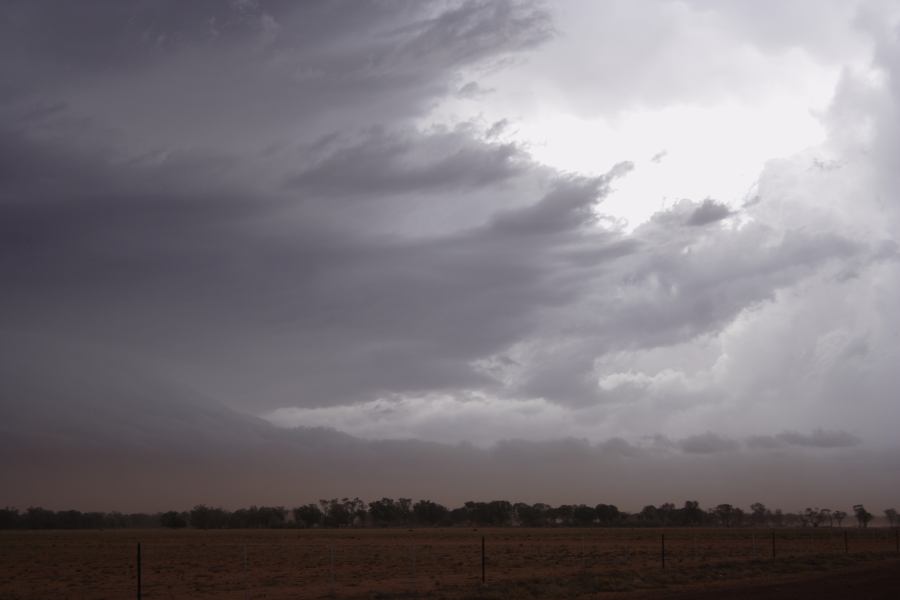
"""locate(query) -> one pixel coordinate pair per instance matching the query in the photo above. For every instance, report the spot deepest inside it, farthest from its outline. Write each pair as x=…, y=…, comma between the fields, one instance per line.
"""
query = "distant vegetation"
x=387, y=512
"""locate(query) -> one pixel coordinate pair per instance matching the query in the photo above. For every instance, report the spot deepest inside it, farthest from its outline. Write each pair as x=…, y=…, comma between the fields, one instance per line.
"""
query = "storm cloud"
x=293, y=234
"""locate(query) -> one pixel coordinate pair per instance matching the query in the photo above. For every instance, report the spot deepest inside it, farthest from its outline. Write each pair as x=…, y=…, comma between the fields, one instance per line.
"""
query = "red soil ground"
x=876, y=581
x=446, y=563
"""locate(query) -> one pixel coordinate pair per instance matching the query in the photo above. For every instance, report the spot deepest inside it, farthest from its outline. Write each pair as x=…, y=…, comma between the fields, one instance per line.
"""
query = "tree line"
x=403, y=512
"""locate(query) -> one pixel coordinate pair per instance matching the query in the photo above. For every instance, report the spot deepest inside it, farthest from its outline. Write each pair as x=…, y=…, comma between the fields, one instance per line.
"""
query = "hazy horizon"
x=264, y=252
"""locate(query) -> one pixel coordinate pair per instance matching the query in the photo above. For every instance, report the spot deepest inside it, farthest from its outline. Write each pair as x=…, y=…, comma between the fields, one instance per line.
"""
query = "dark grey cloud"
x=707, y=443
x=709, y=211
x=178, y=240
x=567, y=207
x=384, y=164
x=110, y=36
x=236, y=79
x=818, y=438
x=150, y=249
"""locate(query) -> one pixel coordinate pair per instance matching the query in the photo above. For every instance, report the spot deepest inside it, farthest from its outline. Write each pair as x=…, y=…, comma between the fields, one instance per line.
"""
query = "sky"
x=629, y=252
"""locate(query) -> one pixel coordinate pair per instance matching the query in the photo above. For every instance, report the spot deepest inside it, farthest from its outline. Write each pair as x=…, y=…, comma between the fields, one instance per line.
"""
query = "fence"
x=243, y=564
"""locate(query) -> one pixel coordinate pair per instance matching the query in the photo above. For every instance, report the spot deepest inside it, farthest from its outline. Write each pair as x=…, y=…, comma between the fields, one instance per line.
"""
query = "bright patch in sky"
x=698, y=111
x=679, y=152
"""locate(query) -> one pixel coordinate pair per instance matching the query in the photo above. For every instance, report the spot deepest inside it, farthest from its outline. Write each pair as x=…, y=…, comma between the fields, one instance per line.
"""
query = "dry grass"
x=438, y=563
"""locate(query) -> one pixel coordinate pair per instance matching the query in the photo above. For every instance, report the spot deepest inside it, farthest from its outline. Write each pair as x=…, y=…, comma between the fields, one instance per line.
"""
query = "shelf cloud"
x=290, y=240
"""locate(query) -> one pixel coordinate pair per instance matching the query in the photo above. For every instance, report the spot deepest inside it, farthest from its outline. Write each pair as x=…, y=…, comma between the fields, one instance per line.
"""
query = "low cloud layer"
x=260, y=229
x=127, y=442
x=817, y=439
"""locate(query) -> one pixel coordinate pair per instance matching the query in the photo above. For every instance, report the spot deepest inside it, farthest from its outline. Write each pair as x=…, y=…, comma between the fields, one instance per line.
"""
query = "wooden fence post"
x=662, y=549
x=413, y=552
x=246, y=576
x=138, y=571
x=332, y=570
x=482, y=560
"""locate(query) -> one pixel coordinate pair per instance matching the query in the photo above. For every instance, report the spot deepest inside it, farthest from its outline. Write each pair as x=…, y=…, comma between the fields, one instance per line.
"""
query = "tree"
x=792, y=520
x=273, y=516
x=173, y=519
x=338, y=513
x=384, y=512
x=814, y=516
x=205, y=517
x=308, y=515
x=68, y=519
x=607, y=514
x=426, y=512
x=500, y=512
x=777, y=518
x=891, y=514
x=759, y=514
x=356, y=509
x=666, y=513
x=839, y=516
x=692, y=514
x=562, y=515
x=583, y=515
x=649, y=515
x=39, y=518
x=531, y=515
x=726, y=514
x=460, y=515
x=404, y=510
x=495, y=512
x=862, y=515
x=9, y=518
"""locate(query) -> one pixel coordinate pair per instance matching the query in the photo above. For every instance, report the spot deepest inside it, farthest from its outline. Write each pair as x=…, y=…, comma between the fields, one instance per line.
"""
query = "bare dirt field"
x=447, y=563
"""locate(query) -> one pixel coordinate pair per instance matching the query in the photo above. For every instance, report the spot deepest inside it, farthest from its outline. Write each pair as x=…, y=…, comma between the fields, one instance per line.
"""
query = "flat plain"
x=446, y=563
